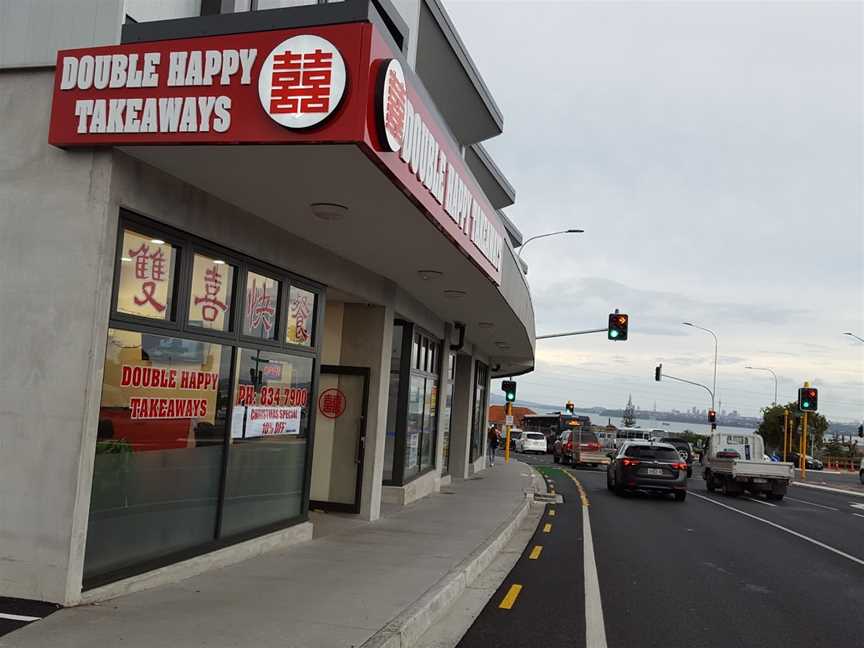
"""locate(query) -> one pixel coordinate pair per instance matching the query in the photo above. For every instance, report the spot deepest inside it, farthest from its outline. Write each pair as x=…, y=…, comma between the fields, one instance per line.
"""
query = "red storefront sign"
x=264, y=87
x=311, y=85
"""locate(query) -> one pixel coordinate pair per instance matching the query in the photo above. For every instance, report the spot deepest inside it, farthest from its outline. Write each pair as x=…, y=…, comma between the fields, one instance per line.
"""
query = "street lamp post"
x=702, y=328
x=772, y=373
x=860, y=339
x=538, y=236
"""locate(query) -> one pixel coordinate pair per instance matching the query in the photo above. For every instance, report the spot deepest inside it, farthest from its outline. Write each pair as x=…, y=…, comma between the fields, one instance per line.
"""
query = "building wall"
x=56, y=246
x=31, y=31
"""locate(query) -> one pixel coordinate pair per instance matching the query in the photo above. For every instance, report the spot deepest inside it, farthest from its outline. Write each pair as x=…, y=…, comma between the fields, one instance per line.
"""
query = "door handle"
x=358, y=457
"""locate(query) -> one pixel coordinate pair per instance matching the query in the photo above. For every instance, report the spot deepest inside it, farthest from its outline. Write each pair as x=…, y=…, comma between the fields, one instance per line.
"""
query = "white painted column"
x=460, y=431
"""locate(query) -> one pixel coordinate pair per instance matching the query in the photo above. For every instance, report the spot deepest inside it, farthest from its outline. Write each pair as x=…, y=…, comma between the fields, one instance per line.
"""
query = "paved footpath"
x=339, y=590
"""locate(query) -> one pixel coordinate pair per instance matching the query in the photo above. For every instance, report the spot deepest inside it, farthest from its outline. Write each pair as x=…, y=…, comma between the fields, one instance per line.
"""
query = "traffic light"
x=712, y=416
x=808, y=399
x=509, y=387
x=618, y=326
x=569, y=406
x=658, y=372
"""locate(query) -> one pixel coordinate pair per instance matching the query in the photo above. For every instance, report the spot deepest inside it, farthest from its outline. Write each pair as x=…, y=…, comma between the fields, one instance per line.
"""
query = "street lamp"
x=772, y=373
x=532, y=238
x=854, y=336
x=702, y=328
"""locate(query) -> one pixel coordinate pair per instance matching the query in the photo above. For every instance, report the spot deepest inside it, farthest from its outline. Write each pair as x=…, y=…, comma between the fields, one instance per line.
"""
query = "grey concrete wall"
x=460, y=432
x=367, y=338
x=31, y=31
x=56, y=249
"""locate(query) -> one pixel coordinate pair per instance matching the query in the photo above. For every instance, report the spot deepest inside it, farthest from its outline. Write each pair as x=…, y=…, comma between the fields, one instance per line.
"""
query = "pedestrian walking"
x=492, y=440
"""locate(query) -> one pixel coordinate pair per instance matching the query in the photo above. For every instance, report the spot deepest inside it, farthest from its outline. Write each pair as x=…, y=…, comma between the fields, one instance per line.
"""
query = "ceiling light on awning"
x=329, y=211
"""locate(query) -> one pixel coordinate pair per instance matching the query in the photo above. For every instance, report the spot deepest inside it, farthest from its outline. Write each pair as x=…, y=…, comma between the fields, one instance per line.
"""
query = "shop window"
x=269, y=430
x=430, y=420
x=211, y=293
x=159, y=449
x=478, y=418
x=301, y=316
x=414, y=426
x=393, y=401
x=260, y=315
x=145, y=287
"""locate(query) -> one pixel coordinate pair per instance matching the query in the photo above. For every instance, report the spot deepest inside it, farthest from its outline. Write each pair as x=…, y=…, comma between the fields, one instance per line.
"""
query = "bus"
x=553, y=424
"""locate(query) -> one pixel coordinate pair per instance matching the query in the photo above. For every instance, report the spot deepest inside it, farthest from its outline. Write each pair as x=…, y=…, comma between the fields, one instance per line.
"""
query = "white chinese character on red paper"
x=149, y=266
x=260, y=310
x=301, y=82
x=395, y=116
x=301, y=311
x=210, y=299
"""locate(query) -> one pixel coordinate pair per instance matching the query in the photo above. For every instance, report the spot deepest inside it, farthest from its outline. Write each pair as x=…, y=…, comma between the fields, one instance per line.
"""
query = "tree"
x=629, y=418
x=771, y=427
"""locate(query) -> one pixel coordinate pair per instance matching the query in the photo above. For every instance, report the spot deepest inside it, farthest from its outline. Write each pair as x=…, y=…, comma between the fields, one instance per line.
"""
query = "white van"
x=630, y=434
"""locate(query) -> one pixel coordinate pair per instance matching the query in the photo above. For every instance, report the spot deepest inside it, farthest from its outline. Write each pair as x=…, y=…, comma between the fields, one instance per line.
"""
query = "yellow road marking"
x=547, y=528
x=510, y=598
x=582, y=495
x=535, y=552
x=551, y=512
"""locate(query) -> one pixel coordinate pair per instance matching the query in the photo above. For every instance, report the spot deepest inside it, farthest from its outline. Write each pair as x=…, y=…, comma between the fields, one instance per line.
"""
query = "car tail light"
x=591, y=446
x=679, y=466
x=627, y=461
x=569, y=445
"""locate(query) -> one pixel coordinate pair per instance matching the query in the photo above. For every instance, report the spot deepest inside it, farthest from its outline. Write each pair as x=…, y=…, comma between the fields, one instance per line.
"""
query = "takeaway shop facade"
x=293, y=296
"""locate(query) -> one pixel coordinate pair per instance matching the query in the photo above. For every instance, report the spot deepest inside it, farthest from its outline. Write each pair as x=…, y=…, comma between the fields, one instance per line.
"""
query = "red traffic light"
x=712, y=416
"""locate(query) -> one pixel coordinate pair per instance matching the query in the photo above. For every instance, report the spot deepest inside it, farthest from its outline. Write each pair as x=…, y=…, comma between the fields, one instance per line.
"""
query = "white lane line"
x=18, y=617
x=782, y=528
x=595, y=626
x=758, y=501
x=829, y=489
x=830, y=508
x=858, y=514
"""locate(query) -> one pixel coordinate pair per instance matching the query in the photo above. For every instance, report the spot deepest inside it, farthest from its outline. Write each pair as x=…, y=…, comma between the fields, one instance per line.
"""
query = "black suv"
x=684, y=449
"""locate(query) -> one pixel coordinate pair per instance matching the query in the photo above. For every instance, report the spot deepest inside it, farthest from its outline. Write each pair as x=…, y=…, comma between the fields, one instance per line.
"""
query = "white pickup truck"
x=734, y=463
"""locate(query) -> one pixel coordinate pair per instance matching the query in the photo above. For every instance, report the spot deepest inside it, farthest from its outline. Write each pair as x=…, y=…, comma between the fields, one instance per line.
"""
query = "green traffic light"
x=805, y=404
x=613, y=333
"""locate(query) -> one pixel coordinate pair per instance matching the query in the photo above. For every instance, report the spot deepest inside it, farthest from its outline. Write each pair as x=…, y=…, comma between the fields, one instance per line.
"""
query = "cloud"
x=710, y=162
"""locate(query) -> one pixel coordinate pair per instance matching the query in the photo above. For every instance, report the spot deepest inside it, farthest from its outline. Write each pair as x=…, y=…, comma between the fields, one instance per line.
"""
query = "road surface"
x=712, y=571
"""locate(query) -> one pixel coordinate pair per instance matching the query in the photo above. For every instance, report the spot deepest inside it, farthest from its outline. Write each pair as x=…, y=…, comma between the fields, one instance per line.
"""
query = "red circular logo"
x=331, y=403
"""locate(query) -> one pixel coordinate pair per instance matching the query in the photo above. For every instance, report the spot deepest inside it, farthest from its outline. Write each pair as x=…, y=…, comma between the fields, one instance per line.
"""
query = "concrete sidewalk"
x=379, y=583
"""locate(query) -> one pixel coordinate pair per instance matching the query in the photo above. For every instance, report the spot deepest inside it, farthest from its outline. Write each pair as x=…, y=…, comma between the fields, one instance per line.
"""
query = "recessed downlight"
x=428, y=275
x=329, y=212
x=454, y=294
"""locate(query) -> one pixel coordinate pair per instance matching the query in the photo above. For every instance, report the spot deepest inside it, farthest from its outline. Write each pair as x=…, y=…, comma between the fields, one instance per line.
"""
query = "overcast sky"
x=713, y=154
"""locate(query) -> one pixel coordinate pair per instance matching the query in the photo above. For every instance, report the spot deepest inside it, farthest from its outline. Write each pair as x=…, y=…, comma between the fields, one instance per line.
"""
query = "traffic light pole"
x=705, y=387
x=508, y=412
x=557, y=335
x=787, y=441
x=802, y=455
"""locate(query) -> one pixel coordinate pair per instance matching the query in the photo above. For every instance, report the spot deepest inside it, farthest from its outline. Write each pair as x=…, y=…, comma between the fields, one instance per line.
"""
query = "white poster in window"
x=262, y=421
x=411, y=452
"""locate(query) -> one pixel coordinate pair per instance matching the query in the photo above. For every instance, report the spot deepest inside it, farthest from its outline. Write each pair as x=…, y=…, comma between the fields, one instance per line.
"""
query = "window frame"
x=187, y=245
x=413, y=338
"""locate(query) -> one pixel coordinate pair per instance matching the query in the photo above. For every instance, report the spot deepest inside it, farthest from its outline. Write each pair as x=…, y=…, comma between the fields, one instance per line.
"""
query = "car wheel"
x=689, y=473
x=861, y=475
x=608, y=482
x=709, y=482
x=680, y=496
x=556, y=458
